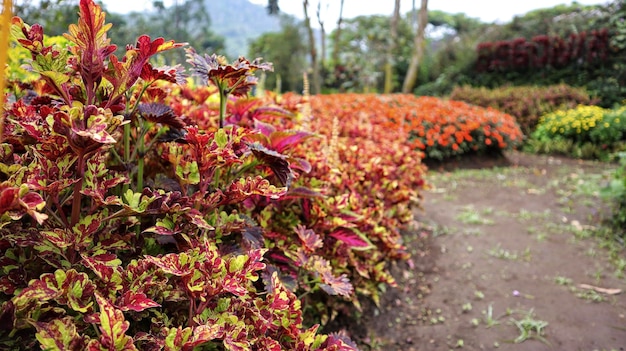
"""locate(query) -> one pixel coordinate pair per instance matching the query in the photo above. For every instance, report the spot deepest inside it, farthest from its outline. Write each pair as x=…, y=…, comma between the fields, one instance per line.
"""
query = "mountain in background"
x=239, y=22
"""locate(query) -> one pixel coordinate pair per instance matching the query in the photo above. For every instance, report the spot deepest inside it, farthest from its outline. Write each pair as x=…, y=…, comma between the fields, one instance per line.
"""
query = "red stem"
x=78, y=186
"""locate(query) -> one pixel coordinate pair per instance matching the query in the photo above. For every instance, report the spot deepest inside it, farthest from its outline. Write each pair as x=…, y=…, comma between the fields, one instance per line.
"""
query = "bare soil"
x=506, y=256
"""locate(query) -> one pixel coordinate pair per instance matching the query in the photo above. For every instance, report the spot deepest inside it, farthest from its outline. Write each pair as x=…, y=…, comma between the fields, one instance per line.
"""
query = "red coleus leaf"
x=244, y=111
x=309, y=238
x=301, y=193
x=148, y=48
x=267, y=344
x=160, y=113
x=281, y=140
x=285, y=308
x=59, y=334
x=352, y=238
x=30, y=37
x=266, y=129
x=18, y=201
x=172, y=74
x=107, y=268
x=275, y=161
x=179, y=264
x=113, y=326
x=243, y=188
x=92, y=45
x=339, y=342
x=331, y=284
x=135, y=301
x=124, y=74
x=236, y=78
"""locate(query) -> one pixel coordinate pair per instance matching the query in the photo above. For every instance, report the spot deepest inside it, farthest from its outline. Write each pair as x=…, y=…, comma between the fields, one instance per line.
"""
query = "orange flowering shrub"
x=438, y=128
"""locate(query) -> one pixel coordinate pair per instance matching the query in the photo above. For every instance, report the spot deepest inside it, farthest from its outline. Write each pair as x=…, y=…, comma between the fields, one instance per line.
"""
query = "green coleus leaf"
x=164, y=226
x=189, y=338
x=59, y=334
x=113, y=326
x=85, y=230
x=221, y=138
x=99, y=180
x=179, y=264
x=188, y=172
x=79, y=237
x=69, y=288
x=136, y=202
x=60, y=238
x=57, y=77
x=107, y=268
x=100, y=126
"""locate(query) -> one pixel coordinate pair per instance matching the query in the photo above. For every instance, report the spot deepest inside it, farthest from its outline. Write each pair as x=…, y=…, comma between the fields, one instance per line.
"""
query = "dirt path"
x=498, y=264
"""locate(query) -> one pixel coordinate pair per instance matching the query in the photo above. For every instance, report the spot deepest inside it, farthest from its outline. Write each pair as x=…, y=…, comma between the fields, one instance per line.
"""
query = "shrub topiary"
x=525, y=103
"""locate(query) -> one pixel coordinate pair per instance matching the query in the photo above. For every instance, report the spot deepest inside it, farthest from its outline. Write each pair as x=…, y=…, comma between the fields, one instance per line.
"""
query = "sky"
x=487, y=10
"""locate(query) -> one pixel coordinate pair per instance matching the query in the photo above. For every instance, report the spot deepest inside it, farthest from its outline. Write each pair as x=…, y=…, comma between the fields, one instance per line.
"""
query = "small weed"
x=562, y=280
x=589, y=295
x=479, y=295
x=473, y=231
x=591, y=252
x=487, y=211
x=529, y=327
x=440, y=230
x=499, y=252
x=526, y=215
x=467, y=307
x=620, y=267
x=490, y=321
x=469, y=215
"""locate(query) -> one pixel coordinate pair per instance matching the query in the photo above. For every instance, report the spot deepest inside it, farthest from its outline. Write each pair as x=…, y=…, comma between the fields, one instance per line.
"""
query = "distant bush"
x=615, y=191
x=584, y=132
x=525, y=103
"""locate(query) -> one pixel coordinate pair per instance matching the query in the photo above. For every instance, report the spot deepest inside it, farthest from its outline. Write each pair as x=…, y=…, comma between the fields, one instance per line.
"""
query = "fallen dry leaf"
x=600, y=290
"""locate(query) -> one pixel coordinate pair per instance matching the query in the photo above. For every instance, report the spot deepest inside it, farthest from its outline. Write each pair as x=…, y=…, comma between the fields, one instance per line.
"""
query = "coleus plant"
x=121, y=221
x=336, y=229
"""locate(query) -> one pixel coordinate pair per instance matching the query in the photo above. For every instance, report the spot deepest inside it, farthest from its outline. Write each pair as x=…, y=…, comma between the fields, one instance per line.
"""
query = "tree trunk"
x=393, y=41
x=337, y=35
x=418, y=50
x=312, y=50
x=323, y=34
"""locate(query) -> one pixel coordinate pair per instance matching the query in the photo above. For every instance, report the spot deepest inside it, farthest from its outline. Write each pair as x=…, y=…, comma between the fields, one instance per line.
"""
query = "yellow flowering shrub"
x=586, y=132
x=573, y=124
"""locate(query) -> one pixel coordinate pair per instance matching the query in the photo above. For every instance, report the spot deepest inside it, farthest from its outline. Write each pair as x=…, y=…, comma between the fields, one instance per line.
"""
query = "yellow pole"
x=5, y=30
